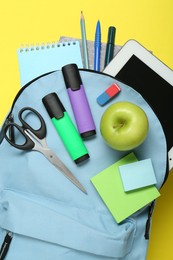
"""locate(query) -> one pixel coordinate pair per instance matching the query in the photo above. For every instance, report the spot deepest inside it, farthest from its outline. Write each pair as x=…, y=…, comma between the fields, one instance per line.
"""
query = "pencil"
x=84, y=42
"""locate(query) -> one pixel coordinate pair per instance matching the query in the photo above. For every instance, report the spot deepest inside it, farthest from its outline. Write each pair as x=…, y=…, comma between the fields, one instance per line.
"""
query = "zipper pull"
x=5, y=245
x=148, y=223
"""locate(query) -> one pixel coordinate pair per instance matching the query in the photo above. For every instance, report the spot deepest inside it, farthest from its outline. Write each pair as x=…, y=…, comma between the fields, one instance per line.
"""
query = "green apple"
x=124, y=126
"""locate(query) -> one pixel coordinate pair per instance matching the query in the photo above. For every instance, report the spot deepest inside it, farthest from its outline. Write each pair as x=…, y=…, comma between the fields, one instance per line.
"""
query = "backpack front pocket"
x=42, y=222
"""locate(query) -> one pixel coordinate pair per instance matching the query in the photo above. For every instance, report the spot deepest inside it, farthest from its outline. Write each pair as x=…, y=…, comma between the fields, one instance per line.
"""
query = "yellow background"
x=149, y=21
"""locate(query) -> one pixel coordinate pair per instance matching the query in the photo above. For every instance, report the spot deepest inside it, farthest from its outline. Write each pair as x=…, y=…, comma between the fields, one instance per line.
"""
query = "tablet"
x=137, y=67
x=132, y=48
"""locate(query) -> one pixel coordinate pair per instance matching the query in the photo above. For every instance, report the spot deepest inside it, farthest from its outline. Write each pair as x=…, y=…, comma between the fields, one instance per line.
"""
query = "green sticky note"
x=120, y=203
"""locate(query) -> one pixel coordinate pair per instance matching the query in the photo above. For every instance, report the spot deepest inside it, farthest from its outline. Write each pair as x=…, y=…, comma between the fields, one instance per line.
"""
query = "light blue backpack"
x=43, y=216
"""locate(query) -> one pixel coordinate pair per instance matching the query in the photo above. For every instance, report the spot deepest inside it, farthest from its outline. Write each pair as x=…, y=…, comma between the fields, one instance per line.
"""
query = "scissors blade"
x=41, y=146
x=61, y=166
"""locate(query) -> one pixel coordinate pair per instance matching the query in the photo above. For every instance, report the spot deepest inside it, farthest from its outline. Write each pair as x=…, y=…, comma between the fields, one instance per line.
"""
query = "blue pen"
x=97, y=47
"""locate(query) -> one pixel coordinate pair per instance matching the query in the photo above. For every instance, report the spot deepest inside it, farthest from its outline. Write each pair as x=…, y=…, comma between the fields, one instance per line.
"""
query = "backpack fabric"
x=48, y=216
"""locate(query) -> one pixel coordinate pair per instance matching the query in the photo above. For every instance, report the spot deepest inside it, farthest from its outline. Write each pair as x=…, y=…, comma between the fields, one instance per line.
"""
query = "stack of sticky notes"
x=122, y=194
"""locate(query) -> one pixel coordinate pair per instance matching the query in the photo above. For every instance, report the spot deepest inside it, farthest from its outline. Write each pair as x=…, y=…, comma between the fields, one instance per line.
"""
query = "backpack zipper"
x=9, y=118
x=6, y=244
x=148, y=222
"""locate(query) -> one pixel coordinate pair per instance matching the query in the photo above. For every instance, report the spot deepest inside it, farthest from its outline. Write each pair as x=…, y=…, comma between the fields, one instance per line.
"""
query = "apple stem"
x=118, y=126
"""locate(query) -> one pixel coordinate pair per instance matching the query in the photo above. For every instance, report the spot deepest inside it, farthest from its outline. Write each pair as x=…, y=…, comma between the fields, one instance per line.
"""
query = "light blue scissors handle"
x=40, y=145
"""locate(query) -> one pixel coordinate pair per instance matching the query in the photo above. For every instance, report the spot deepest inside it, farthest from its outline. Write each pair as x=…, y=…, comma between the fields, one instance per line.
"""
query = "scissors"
x=35, y=140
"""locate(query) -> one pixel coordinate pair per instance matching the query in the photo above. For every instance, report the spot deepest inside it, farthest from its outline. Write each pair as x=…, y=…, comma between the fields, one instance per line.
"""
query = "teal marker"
x=65, y=128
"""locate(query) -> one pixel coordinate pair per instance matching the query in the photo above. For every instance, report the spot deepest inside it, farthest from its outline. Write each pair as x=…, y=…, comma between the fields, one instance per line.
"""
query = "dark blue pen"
x=97, y=47
x=110, y=45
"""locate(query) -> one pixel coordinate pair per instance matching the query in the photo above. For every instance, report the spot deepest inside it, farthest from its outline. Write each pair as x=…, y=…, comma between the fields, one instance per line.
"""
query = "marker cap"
x=53, y=106
x=71, y=76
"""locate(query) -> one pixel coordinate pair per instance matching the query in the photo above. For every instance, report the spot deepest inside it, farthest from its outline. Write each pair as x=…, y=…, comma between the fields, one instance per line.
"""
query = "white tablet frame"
x=130, y=48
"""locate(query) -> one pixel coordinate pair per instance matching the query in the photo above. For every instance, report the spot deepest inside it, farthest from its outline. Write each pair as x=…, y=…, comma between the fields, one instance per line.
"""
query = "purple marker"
x=78, y=100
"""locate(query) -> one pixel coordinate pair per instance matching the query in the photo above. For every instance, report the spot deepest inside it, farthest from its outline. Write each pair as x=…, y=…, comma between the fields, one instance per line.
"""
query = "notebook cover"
x=38, y=60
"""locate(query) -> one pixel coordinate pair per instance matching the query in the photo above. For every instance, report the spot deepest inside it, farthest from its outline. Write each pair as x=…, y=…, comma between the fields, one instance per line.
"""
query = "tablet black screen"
x=154, y=89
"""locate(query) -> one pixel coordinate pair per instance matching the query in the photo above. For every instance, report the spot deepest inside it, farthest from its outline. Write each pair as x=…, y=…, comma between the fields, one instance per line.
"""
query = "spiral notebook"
x=38, y=60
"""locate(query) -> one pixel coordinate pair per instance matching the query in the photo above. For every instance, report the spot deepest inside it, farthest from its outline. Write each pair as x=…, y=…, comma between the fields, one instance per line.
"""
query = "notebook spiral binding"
x=36, y=59
x=44, y=46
